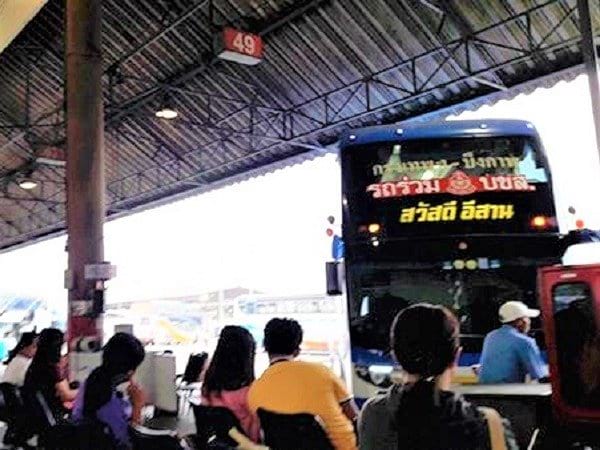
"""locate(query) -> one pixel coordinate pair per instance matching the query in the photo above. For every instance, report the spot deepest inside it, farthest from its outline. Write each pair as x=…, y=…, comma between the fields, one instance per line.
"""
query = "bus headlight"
x=471, y=264
x=374, y=228
x=539, y=222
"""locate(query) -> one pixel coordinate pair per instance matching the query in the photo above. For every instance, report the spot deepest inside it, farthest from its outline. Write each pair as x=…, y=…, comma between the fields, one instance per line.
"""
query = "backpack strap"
x=495, y=428
x=243, y=442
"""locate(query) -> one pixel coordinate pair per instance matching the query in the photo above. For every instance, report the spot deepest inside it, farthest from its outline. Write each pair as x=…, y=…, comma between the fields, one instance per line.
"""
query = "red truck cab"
x=570, y=303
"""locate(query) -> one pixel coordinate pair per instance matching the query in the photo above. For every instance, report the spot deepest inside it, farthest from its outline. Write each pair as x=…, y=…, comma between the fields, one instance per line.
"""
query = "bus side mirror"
x=333, y=273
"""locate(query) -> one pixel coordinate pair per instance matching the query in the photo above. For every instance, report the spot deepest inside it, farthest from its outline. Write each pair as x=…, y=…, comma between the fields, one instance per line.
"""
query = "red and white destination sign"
x=458, y=183
x=239, y=46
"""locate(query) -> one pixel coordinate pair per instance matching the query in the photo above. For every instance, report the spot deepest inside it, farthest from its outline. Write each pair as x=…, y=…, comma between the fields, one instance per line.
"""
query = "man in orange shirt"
x=292, y=387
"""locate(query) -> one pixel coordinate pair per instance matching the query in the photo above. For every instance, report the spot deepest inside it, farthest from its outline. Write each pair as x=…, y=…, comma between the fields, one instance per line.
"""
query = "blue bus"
x=457, y=213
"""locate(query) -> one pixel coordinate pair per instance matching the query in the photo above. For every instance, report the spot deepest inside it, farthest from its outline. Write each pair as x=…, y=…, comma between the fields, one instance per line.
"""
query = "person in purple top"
x=99, y=397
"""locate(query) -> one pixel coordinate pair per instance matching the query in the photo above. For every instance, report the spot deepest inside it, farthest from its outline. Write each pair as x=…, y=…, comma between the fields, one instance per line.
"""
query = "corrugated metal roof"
x=329, y=65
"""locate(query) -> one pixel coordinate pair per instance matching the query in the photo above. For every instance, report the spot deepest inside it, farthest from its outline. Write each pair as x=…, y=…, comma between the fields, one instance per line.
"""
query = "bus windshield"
x=439, y=158
x=382, y=290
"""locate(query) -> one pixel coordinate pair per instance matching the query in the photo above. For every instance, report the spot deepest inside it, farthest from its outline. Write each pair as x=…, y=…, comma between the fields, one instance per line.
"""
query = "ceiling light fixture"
x=27, y=184
x=166, y=110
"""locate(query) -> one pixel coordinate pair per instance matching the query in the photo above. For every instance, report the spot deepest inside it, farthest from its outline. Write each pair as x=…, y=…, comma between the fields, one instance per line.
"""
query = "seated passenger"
x=590, y=371
x=19, y=359
x=292, y=387
x=229, y=376
x=508, y=354
x=45, y=374
x=422, y=413
x=100, y=398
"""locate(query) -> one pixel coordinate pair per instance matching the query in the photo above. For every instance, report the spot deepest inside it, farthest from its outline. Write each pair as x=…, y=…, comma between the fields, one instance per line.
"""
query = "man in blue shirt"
x=508, y=353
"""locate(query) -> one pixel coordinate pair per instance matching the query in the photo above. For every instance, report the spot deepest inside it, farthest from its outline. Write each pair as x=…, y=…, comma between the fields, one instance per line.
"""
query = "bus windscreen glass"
x=453, y=186
x=384, y=289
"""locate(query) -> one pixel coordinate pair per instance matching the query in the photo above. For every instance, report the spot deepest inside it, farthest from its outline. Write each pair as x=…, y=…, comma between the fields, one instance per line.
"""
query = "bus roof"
x=444, y=129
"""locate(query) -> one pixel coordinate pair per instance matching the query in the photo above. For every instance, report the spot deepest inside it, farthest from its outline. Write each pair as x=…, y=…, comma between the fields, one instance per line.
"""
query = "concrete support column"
x=85, y=163
x=590, y=59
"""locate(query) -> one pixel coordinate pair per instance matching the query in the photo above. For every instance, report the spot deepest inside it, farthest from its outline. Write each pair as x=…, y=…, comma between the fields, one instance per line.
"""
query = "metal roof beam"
x=485, y=81
x=448, y=9
x=411, y=6
x=268, y=26
x=433, y=7
x=37, y=121
x=16, y=198
x=152, y=39
x=265, y=137
x=324, y=120
x=322, y=116
x=48, y=203
x=294, y=11
x=9, y=223
x=11, y=123
x=414, y=92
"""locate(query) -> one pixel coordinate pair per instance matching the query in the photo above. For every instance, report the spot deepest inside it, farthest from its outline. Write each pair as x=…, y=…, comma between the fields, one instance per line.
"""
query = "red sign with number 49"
x=239, y=46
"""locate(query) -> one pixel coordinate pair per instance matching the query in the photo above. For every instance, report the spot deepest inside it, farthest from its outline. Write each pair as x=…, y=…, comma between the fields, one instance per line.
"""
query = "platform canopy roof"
x=328, y=65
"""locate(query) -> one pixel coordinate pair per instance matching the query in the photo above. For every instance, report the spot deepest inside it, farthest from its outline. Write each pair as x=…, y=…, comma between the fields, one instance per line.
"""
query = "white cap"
x=512, y=311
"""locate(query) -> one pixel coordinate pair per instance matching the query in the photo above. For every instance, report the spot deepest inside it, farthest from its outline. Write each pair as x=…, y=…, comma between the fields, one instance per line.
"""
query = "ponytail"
x=26, y=340
x=98, y=391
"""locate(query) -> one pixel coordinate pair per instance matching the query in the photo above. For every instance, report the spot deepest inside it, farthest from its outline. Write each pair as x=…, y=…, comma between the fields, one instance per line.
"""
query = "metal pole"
x=85, y=164
x=590, y=58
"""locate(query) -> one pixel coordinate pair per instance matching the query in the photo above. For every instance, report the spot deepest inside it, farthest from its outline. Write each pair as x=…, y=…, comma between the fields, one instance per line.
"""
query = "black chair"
x=10, y=400
x=84, y=435
x=39, y=417
x=37, y=412
x=189, y=383
x=293, y=432
x=194, y=367
x=4, y=410
x=94, y=435
x=143, y=438
x=13, y=413
x=57, y=433
x=213, y=425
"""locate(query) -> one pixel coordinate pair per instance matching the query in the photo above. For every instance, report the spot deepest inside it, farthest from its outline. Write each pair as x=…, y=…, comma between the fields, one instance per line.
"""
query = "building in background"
x=194, y=319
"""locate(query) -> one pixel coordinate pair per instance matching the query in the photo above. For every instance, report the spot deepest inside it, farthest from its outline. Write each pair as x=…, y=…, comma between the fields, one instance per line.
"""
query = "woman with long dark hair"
x=423, y=413
x=229, y=376
x=19, y=359
x=99, y=398
x=45, y=374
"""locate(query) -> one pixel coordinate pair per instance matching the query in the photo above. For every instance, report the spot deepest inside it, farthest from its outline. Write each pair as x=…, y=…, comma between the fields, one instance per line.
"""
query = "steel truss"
x=253, y=128
x=28, y=128
x=403, y=83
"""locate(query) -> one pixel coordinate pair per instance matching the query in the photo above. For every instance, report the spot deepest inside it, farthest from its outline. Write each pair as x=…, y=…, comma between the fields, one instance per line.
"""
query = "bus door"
x=570, y=302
